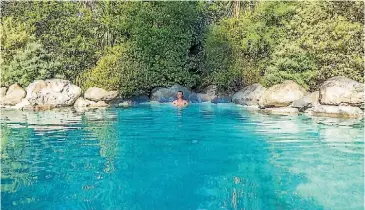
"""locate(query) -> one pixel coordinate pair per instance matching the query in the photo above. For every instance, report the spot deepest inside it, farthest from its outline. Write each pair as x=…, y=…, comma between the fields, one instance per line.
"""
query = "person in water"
x=180, y=99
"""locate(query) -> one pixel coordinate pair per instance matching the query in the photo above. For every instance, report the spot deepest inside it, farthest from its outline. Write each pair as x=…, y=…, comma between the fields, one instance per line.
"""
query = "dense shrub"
x=155, y=53
x=116, y=70
x=23, y=58
x=320, y=42
x=65, y=29
x=218, y=59
x=163, y=37
x=237, y=49
x=29, y=64
x=291, y=62
x=308, y=42
x=136, y=46
x=164, y=34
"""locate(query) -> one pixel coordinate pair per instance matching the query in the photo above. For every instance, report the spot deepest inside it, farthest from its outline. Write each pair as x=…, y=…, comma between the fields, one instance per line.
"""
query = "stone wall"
x=336, y=97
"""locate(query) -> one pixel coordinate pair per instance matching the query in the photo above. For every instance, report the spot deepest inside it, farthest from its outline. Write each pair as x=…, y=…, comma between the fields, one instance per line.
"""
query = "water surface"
x=203, y=156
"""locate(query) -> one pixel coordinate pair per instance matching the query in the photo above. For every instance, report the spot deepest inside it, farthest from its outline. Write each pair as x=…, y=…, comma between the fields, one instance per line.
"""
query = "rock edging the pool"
x=337, y=97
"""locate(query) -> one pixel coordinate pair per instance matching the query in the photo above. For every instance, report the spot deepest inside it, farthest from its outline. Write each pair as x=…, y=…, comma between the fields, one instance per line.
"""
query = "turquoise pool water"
x=204, y=156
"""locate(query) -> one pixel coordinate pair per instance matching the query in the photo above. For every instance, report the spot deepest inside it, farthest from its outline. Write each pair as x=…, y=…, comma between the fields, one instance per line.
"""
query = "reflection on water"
x=41, y=121
x=161, y=157
x=327, y=152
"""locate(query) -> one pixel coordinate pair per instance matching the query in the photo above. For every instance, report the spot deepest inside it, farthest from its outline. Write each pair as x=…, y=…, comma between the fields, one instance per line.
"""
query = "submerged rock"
x=281, y=110
x=249, y=96
x=336, y=111
x=165, y=95
x=222, y=99
x=22, y=104
x=121, y=102
x=52, y=92
x=100, y=94
x=251, y=108
x=43, y=107
x=341, y=91
x=125, y=104
x=306, y=101
x=81, y=102
x=99, y=104
x=14, y=95
x=140, y=99
x=336, y=120
x=281, y=95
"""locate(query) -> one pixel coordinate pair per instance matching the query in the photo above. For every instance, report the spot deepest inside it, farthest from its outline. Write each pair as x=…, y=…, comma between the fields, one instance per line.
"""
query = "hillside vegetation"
x=133, y=47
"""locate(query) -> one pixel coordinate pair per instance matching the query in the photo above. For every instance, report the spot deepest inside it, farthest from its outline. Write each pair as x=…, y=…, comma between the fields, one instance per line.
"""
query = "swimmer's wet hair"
x=180, y=92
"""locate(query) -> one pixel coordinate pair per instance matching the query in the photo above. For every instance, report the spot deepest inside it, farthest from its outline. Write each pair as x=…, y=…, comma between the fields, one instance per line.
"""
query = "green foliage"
x=65, y=29
x=236, y=49
x=163, y=37
x=155, y=52
x=28, y=65
x=23, y=58
x=14, y=36
x=136, y=46
x=218, y=59
x=163, y=33
x=319, y=43
x=291, y=62
x=116, y=70
x=308, y=42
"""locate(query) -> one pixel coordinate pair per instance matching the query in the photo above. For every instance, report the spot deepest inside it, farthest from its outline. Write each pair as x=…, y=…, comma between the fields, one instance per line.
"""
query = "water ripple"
x=155, y=156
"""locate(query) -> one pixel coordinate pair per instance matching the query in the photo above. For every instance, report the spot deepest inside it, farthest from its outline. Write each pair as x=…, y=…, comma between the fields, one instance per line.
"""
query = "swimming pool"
x=155, y=156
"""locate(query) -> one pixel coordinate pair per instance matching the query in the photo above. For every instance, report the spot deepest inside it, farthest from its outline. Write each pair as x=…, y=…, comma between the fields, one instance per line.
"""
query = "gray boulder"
x=281, y=95
x=336, y=111
x=306, y=101
x=3, y=92
x=14, y=95
x=207, y=94
x=203, y=97
x=341, y=91
x=52, y=93
x=249, y=96
x=165, y=95
x=100, y=94
x=194, y=98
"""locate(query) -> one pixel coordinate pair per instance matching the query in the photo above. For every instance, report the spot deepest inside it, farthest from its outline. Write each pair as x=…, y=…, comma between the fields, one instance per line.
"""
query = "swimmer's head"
x=180, y=95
